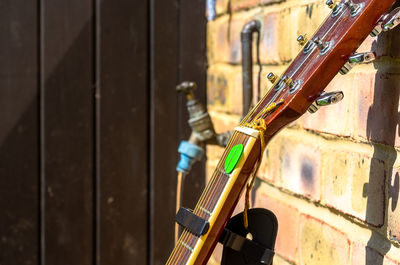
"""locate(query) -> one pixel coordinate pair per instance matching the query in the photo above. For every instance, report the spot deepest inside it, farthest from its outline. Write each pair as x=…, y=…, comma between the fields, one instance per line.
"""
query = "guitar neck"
x=218, y=201
x=292, y=94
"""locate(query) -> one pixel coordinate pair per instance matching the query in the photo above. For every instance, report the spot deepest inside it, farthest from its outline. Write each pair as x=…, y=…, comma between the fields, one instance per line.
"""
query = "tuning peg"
x=393, y=20
x=322, y=45
x=272, y=77
x=357, y=58
x=354, y=8
x=331, y=4
x=387, y=22
x=326, y=99
x=302, y=40
x=288, y=81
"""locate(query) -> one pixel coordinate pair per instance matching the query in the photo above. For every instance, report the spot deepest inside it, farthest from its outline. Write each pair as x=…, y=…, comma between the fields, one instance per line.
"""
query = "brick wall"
x=332, y=178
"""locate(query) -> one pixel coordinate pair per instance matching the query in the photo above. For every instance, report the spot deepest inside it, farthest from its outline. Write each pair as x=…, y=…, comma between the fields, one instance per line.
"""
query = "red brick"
x=300, y=168
x=288, y=219
x=378, y=106
x=321, y=243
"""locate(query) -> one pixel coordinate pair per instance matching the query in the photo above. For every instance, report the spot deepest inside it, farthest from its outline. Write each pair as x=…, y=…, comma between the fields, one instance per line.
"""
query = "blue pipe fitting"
x=190, y=153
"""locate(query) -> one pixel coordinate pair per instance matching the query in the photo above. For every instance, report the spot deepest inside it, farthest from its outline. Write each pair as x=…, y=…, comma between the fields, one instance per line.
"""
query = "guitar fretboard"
x=206, y=204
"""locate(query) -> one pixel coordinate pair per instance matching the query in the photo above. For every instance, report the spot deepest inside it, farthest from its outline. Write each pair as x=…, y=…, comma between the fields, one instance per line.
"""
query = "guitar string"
x=185, y=233
x=212, y=194
x=277, y=94
x=216, y=176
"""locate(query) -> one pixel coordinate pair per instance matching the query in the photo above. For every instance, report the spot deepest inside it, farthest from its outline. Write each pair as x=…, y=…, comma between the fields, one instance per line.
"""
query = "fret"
x=205, y=210
x=186, y=246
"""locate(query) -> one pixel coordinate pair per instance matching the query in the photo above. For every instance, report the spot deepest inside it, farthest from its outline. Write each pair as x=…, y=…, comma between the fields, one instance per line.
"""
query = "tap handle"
x=187, y=88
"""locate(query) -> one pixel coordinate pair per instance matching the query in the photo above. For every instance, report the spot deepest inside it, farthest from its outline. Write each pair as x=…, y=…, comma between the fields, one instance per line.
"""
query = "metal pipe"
x=246, y=37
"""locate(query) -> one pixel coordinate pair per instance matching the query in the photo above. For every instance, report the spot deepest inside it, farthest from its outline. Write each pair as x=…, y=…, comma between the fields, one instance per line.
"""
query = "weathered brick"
x=224, y=122
x=388, y=261
x=269, y=39
x=241, y=4
x=217, y=41
x=269, y=1
x=378, y=105
x=278, y=260
x=288, y=219
x=395, y=43
x=221, y=6
x=355, y=184
x=322, y=244
x=380, y=45
x=269, y=167
x=393, y=205
x=224, y=88
x=334, y=119
x=365, y=255
x=300, y=167
x=223, y=37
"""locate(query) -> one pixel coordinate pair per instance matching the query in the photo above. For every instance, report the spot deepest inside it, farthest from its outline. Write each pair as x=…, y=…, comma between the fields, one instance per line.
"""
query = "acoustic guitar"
x=300, y=88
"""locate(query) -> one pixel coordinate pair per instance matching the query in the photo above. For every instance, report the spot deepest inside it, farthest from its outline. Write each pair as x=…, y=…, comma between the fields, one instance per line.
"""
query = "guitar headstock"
x=329, y=51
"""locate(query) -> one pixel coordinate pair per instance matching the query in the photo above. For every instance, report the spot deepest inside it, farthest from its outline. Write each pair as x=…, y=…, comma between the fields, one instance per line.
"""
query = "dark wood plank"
x=165, y=132
x=19, y=150
x=192, y=67
x=68, y=123
x=124, y=132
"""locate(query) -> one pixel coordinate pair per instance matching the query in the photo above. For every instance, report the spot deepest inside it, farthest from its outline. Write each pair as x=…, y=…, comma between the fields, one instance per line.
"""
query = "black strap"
x=246, y=247
x=191, y=222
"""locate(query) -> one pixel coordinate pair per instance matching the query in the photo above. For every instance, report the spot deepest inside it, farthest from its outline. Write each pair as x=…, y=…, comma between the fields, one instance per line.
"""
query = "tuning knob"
x=326, y=99
x=357, y=58
x=387, y=22
x=330, y=4
x=393, y=20
x=302, y=40
x=288, y=81
x=322, y=45
x=354, y=8
x=272, y=77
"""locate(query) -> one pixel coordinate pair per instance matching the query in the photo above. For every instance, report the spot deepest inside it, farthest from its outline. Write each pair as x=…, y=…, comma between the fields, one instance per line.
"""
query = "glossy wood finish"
x=315, y=70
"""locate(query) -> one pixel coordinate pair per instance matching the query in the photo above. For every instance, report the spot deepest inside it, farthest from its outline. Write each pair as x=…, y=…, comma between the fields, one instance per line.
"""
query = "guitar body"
x=301, y=84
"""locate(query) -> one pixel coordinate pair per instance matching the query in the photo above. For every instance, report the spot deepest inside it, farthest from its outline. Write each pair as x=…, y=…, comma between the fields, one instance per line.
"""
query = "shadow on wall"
x=382, y=123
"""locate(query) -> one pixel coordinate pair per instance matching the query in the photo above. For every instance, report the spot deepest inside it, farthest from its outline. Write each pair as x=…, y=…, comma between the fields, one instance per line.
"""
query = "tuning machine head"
x=326, y=99
x=331, y=4
x=387, y=22
x=272, y=77
x=302, y=40
x=354, y=8
x=357, y=58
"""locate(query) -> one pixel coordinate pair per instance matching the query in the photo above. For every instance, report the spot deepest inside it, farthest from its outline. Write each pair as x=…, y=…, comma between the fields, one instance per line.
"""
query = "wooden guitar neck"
x=292, y=94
